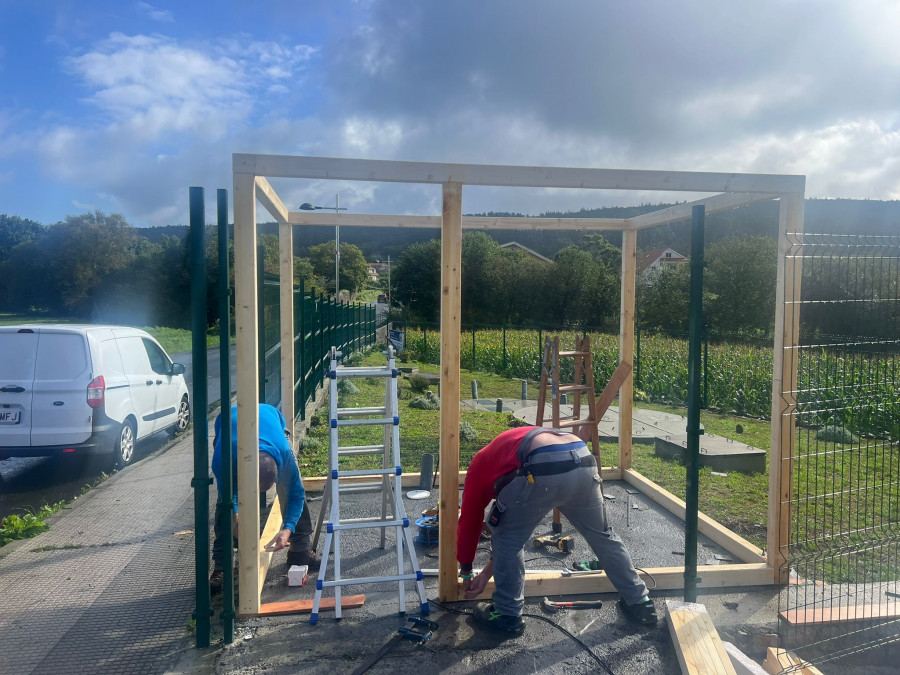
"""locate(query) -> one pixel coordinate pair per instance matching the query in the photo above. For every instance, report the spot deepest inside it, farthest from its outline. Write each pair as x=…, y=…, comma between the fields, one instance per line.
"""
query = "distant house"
x=653, y=262
x=373, y=274
x=516, y=246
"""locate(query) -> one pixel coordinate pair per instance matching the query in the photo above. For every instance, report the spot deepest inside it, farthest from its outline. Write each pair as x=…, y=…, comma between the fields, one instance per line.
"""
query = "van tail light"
x=96, y=392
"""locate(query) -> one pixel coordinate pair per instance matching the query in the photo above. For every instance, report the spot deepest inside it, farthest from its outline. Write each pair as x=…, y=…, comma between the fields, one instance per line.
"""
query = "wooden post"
x=286, y=291
x=784, y=384
x=451, y=292
x=626, y=345
x=247, y=391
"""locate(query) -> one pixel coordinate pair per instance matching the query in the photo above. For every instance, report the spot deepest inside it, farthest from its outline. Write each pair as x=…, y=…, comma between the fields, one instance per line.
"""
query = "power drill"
x=564, y=544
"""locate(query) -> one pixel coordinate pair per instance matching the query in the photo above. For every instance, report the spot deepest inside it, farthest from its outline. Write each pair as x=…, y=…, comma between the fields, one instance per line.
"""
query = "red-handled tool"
x=552, y=606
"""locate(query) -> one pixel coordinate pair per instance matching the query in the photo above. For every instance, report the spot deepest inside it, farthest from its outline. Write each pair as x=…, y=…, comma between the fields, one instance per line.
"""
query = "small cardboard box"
x=297, y=575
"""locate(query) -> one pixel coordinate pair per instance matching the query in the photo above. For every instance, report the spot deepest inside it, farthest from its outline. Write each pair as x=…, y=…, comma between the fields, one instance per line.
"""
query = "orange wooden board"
x=886, y=610
x=305, y=606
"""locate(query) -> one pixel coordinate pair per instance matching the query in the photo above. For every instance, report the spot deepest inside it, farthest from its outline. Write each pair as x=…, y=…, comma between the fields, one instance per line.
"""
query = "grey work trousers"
x=577, y=495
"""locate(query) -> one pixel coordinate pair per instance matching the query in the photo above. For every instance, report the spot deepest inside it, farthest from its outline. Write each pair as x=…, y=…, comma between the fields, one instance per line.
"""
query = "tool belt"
x=579, y=455
x=553, y=468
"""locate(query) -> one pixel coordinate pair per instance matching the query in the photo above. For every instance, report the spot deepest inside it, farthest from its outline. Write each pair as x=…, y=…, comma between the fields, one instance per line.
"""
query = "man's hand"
x=475, y=586
x=280, y=541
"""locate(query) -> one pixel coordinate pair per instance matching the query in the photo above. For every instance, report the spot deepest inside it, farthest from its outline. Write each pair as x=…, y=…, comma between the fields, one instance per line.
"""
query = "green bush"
x=310, y=444
x=429, y=401
x=467, y=432
x=836, y=434
x=418, y=383
x=346, y=388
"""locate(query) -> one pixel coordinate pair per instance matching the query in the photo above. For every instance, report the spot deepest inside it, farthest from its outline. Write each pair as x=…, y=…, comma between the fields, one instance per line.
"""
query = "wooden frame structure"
x=729, y=190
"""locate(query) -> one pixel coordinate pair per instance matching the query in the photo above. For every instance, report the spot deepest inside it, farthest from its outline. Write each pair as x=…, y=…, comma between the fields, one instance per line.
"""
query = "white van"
x=68, y=389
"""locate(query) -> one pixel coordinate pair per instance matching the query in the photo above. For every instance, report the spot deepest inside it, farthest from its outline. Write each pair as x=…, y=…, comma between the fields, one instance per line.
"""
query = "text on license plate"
x=9, y=416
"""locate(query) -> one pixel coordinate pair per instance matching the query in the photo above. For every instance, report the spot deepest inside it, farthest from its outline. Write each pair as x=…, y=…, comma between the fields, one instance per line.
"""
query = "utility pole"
x=337, y=250
x=389, y=283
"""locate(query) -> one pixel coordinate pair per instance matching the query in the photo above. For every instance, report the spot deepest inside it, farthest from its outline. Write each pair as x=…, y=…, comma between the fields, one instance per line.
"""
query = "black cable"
x=584, y=646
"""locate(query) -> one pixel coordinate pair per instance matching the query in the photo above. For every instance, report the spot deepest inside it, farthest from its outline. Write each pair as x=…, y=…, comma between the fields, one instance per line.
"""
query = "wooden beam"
x=468, y=222
x=267, y=196
x=667, y=579
x=713, y=204
x=271, y=528
x=843, y=614
x=451, y=292
x=286, y=311
x=784, y=384
x=697, y=643
x=305, y=606
x=782, y=661
x=731, y=542
x=434, y=173
x=247, y=391
x=317, y=483
x=626, y=345
x=611, y=390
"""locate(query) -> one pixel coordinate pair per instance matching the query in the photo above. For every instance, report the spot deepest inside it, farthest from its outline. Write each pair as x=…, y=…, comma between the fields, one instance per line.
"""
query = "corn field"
x=736, y=377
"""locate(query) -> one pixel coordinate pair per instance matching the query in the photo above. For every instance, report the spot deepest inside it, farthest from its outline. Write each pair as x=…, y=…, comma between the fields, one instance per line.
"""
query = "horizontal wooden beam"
x=782, y=661
x=875, y=612
x=468, y=222
x=411, y=480
x=733, y=543
x=697, y=643
x=666, y=578
x=390, y=171
x=266, y=195
x=713, y=204
x=305, y=606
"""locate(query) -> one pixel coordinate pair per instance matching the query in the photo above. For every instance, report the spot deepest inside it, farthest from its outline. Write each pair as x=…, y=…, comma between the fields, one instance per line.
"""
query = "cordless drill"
x=564, y=544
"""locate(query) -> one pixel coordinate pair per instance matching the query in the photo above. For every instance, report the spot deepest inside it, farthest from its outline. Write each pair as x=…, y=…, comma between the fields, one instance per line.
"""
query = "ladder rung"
x=368, y=526
x=366, y=472
x=351, y=450
x=351, y=521
x=573, y=387
x=362, y=411
x=574, y=353
x=371, y=580
x=361, y=487
x=576, y=423
x=363, y=372
x=362, y=423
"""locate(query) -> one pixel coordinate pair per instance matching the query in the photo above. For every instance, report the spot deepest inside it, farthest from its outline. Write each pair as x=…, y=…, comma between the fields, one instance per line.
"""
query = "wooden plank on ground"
x=806, y=617
x=780, y=660
x=305, y=606
x=697, y=643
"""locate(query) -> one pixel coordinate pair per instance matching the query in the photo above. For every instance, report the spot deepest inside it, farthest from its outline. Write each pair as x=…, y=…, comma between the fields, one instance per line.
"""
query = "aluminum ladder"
x=387, y=481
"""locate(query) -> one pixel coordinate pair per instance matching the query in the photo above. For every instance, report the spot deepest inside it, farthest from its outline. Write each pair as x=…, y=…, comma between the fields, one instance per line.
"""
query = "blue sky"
x=121, y=106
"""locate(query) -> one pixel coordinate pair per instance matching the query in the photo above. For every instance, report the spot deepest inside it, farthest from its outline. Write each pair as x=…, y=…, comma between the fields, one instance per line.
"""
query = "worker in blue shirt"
x=278, y=467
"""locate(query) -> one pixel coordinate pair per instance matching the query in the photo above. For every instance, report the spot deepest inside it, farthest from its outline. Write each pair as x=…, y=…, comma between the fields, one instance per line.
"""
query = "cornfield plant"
x=855, y=389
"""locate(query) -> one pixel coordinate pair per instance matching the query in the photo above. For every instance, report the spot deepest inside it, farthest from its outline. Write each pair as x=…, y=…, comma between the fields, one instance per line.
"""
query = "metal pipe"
x=201, y=480
x=695, y=336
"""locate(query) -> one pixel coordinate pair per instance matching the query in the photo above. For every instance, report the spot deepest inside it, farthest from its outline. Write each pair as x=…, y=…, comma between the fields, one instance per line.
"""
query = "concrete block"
x=716, y=452
x=297, y=575
x=743, y=664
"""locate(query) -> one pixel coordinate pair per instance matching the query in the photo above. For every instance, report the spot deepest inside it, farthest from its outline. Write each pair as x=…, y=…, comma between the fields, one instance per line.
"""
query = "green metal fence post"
x=201, y=480
x=504, y=345
x=695, y=323
x=474, y=360
x=228, y=614
x=301, y=307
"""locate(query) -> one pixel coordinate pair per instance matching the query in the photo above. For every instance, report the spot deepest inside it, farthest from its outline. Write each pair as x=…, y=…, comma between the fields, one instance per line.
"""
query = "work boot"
x=216, y=582
x=486, y=615
x=308, y=558
x=643, y=612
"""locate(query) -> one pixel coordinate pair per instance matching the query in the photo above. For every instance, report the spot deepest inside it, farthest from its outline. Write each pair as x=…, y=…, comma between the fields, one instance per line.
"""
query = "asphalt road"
x=28, y=482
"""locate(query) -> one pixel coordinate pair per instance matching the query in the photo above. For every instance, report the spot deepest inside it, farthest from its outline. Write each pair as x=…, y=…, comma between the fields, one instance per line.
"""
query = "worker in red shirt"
x=528, y=471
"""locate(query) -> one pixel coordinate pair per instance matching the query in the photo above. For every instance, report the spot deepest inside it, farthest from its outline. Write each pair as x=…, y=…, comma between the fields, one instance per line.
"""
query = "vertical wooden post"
x=626, y=345
x=451, y=293
x=784, y=383
x=286, y=289
x=247, y=391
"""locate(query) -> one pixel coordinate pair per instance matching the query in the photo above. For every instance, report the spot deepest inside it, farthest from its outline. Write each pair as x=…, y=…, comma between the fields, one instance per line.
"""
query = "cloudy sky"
x=120, y=105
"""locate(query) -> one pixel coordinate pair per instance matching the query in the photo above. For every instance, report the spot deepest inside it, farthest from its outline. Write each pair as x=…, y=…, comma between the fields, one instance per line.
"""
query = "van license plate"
x=9, y=416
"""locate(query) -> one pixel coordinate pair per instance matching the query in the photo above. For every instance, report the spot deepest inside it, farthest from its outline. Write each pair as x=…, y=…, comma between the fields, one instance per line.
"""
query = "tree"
x=739, y=285
x=354, y=269
x=14, y=231
x=417, y=279
x=663, y=304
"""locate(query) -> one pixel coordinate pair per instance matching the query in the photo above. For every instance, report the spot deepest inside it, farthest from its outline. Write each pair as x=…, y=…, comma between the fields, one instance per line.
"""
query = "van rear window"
x=17, y=354
x=61, y=356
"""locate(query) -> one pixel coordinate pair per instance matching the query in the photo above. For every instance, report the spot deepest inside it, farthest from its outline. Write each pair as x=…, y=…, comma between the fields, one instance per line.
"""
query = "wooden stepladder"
x=582, y=384
x=386, y=480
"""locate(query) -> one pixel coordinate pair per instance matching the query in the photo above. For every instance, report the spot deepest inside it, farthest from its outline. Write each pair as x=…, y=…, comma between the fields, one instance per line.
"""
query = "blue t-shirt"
x=273, y=442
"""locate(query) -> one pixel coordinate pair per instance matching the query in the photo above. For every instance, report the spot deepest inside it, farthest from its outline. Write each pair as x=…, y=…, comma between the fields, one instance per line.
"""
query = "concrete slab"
x=646, y=425
x=716, y=452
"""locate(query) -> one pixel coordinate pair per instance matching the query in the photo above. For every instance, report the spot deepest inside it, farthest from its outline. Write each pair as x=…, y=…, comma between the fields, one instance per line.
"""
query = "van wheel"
x=124, y=447
x=183, y=420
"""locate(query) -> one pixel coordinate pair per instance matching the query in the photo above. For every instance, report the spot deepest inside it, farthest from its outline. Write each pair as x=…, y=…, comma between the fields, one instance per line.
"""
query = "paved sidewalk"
x=110, y=588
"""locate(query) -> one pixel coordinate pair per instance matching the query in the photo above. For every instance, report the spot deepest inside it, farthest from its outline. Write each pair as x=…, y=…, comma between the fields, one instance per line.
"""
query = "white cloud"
x=151, y=12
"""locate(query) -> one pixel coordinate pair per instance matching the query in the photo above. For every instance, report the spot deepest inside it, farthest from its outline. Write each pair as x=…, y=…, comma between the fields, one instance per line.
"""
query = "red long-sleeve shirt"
x=494, y=460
